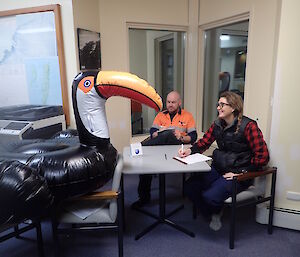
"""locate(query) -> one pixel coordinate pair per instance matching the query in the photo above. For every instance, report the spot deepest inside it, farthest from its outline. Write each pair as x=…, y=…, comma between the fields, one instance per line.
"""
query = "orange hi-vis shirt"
x=183, y=121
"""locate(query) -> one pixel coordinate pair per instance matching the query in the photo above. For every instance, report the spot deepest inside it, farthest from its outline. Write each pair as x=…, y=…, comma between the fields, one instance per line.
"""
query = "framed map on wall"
x=89, y=49
x=32, y=59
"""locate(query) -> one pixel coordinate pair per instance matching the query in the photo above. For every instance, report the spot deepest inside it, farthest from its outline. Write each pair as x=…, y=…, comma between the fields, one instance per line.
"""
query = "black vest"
x=233, y=153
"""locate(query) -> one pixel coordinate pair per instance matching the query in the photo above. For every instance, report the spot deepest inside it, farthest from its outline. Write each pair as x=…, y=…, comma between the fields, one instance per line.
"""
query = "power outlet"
x=293, y=195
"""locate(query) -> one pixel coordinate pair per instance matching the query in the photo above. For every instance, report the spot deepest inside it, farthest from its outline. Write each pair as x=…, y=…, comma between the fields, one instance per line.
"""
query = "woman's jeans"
x=208, y=191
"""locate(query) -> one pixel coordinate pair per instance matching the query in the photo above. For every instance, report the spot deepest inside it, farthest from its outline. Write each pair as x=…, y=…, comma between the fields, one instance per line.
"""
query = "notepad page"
x=193, y=158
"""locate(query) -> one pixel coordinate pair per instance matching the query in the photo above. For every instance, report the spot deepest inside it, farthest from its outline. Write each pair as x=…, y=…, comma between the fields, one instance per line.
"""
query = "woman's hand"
x=230, y=175
x=184, y=152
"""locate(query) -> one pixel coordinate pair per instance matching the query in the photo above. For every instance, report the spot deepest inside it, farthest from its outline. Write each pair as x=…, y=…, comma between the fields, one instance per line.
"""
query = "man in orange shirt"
x=170, y=127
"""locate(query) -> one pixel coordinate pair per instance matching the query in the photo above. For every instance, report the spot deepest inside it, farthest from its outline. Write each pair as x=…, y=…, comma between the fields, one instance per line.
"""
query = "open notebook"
x=193, y=158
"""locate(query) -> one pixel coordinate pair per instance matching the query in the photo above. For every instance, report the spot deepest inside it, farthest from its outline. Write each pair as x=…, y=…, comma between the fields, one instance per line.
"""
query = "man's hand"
x=162, y=128
x=177, y=134
x=155, y=134
x=230, y=175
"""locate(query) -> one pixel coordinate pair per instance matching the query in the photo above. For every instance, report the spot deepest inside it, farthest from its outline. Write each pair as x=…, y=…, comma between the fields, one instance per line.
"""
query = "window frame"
x=201, y=61
x=151, y=26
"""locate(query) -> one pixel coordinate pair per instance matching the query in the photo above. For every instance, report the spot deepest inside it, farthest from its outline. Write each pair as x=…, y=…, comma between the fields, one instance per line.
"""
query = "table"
x=159, y=160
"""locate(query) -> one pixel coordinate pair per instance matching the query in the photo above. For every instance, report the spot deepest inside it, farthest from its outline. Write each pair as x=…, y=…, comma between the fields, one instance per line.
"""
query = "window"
x=32, y=52
x=158, y=57
x=224, y=66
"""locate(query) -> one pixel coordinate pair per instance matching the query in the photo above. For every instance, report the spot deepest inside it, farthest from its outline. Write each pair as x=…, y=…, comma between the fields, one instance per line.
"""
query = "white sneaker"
x=216, y=223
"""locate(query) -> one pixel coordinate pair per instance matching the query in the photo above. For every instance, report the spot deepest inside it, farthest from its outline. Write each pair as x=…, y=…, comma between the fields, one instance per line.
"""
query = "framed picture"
x=89, y=49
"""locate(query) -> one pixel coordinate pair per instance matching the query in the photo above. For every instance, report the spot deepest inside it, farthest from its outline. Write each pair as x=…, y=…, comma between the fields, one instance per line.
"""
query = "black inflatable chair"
x=107, y=214
x=24, y=199
x=15, y=230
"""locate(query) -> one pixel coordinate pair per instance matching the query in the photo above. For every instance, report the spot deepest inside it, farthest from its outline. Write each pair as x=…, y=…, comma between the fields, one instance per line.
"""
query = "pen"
x=165, y=156
x=181, y=148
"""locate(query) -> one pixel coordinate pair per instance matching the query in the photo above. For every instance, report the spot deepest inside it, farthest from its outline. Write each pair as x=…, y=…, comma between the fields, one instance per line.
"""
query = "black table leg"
x=146, y=230
x=162, y=218
x=162, y=196
x=123, y=201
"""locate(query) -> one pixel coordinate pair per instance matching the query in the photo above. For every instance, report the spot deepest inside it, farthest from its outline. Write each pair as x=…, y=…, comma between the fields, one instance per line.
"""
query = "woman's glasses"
x=221, y=105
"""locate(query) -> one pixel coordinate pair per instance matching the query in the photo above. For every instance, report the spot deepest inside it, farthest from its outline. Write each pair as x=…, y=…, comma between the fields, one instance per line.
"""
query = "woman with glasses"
x=241, y=148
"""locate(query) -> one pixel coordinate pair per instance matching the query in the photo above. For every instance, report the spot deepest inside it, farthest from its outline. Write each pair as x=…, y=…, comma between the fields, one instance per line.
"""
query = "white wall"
x=285, y=128
x=86, y=16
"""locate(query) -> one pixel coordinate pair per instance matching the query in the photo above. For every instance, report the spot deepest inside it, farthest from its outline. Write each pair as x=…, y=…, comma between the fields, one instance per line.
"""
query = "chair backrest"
x=113, y=208
x=257, y=189
x=224, y=78
x=260, y=185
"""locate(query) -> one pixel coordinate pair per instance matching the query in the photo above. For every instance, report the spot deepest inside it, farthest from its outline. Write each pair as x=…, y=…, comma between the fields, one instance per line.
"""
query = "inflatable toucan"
x=70, y=166
x=90, y=92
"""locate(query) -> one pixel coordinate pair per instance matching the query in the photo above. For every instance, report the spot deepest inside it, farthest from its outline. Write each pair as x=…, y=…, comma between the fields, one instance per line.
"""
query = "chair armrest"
x=254, y=174
x=100, y=195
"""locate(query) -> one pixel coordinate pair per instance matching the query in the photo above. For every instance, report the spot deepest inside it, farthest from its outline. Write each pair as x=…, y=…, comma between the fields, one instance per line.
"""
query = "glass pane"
x=225, y=66
x=158, y=57
x=29, y=60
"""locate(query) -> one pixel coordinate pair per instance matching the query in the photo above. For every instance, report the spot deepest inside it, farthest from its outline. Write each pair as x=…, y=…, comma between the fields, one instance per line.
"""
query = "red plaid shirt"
x=254, y=137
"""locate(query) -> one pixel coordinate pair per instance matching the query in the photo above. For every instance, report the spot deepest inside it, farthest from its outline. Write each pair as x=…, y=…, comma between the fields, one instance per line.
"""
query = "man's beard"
x=173, y=112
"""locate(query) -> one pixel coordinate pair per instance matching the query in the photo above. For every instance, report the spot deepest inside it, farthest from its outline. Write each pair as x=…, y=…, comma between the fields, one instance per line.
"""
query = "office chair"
x=137, y=122
x=15, y=230
x=254, y=195
x=224, y=78
x=107, y=214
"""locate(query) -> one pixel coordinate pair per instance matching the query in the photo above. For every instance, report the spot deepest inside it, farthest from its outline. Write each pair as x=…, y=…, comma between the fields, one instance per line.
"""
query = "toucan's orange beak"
x=112, y=83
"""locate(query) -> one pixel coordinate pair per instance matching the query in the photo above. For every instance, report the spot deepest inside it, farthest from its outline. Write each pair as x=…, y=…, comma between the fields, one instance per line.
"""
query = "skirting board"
x=284, y=218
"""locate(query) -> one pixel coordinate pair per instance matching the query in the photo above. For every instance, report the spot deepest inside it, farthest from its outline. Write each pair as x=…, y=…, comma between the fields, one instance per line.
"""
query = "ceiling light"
x=224, y=37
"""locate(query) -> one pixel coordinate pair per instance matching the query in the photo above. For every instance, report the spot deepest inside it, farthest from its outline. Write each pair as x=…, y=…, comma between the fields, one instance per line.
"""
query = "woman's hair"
x=236, y=102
